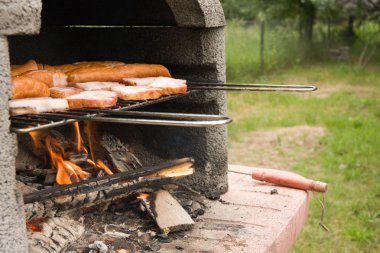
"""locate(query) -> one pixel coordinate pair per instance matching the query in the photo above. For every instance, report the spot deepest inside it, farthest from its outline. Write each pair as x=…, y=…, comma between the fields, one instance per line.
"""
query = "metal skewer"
x=250, y=87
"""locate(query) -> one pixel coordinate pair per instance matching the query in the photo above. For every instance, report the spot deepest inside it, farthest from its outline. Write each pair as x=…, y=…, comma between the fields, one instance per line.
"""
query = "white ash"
x=100, y=246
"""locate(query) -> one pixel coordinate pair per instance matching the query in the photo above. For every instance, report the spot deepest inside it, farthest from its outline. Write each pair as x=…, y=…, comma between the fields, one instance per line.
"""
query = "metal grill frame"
x=44, y=121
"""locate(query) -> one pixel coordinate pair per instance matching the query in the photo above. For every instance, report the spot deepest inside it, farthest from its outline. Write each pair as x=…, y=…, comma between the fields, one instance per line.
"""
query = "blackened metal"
x=103, y=183
x=250, y=87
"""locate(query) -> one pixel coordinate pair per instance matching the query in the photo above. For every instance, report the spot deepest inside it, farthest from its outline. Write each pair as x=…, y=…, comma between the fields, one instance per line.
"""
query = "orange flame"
x=78, y=136
x=67, y=172
x=36, y=141
x=91, y=162
x=104, y=167
x=78, y=170
x=88, y=126
x=143, y=196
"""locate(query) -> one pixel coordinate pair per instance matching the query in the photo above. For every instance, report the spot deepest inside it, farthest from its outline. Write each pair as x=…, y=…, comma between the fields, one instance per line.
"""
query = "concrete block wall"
x=16, y=17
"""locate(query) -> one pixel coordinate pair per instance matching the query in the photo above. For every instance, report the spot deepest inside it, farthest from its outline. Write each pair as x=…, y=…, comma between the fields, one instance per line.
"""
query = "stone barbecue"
x=185, y=36
x=133, y=177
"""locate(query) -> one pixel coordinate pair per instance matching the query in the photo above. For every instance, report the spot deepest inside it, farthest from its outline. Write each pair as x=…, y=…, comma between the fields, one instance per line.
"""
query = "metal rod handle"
x=214, y=121
x=193, y=116
x=250, y=87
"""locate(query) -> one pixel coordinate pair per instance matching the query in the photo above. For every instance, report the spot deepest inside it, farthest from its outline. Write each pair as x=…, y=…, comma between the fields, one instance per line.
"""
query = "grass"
x=347, y=157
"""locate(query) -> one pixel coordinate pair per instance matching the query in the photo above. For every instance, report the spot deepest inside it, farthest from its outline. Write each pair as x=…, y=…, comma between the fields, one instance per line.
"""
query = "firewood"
x=63, y=199
x=117, y=152
x=57, y=206
x=167, y=212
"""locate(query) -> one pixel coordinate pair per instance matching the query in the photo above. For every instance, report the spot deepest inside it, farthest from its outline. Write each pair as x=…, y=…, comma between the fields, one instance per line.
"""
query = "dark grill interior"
x=103, y=13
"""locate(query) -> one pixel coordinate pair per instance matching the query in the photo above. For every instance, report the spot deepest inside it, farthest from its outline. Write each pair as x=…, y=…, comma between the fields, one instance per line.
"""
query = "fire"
x=68, y=172
x=91, y=162
x=104, y=167
x=78, y=136
x=36, y=140
x=143, y=196
x=88, y=126
x=100, y=165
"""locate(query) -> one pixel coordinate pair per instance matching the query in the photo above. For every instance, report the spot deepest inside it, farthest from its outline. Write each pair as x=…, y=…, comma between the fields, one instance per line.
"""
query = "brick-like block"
x=248, y=218
x=20, y=17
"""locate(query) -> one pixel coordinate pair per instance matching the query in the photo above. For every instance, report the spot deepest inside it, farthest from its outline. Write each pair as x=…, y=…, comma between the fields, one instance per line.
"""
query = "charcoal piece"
x=76, y=158
x=27, y=179
x=164, y=238
x=50, y=178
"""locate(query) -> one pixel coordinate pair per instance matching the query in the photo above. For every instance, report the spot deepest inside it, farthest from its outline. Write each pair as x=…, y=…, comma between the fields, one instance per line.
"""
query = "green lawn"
x=347, y=156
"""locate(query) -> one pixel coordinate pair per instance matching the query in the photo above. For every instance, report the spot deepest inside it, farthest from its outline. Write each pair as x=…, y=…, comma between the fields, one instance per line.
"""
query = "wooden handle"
x=289, y=179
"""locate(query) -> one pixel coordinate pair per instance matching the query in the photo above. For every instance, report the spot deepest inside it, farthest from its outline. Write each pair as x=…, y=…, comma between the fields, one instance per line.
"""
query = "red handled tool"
x=289, y=179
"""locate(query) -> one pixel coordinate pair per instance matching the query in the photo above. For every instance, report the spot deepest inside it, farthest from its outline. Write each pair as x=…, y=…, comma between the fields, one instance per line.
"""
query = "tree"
x=358, y=9
x=239, y=9
x=304, y=10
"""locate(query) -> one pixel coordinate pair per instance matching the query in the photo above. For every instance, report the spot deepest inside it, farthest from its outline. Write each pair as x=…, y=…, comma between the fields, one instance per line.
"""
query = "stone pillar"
x=12, y=223
x=16, y=17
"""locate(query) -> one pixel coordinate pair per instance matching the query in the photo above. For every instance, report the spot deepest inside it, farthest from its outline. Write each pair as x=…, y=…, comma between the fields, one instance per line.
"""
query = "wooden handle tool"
x=289, y=179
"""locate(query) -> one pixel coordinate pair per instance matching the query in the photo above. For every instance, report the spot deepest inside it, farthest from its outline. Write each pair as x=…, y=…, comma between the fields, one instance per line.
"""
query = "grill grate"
x=34, y=122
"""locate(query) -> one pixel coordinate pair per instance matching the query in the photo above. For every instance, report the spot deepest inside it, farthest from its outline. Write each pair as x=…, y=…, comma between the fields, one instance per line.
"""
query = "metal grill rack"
x=34, y=122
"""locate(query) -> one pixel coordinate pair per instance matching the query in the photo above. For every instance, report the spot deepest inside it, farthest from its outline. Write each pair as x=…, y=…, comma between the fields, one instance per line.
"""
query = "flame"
x=88, y=126
x=67, y=172
x=104, y=167
x=100, y=165
x=143, y=196
x=36, y=140
x=91, y=162
x=78, y=137
x=78, y=170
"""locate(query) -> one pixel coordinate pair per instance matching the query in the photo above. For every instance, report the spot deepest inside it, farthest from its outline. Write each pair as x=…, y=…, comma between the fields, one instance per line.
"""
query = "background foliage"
x=347, y=105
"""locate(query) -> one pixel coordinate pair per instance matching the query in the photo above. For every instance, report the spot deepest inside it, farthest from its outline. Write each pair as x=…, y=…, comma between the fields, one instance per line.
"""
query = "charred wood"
x=117, y=152
x=66, y=204
x=32, y=170
x=102, y=183
x=61, y=199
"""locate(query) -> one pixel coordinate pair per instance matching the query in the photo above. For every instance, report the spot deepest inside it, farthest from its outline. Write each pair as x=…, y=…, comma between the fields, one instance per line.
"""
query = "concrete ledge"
x=19, y=17
x=197, y=13
x=248, y=218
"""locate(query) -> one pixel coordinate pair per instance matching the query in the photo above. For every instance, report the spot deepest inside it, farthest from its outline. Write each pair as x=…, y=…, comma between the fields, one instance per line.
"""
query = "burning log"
x=60, y=199
x=166, y=211
x=122, y=159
